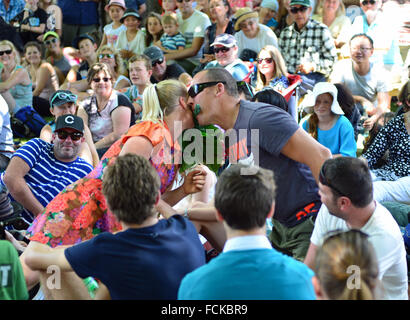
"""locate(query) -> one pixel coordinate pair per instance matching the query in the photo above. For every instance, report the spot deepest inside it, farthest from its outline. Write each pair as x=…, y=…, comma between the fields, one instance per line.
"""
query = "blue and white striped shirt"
x=173, y=42
x=48, y=176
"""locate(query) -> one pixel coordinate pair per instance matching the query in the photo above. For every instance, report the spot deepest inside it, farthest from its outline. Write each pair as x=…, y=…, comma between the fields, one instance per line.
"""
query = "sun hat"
x=318, y=89
x=119, y=3
x=242, y=14
x=130, y=12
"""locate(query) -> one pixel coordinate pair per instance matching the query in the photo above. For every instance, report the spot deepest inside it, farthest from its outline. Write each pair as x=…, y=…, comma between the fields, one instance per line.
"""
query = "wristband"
x=186, y=214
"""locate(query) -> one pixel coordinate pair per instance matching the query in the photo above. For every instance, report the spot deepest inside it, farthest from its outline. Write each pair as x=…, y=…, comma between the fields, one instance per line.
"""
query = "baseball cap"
x=51, y=33
x=305, y=3
x=119, y=3
x=82, y=37
x=320, y=88
x=224, y=39
x=69, y=121
x=154, y=53
x=62, y=96
x=130, y=12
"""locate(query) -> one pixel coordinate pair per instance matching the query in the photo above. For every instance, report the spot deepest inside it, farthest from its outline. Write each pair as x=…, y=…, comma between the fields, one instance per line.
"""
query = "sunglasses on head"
x=366, y=2
x=6, y=52
x=106, y=55
x=222, y=49
x=159, y=61
x=196, y=89
x=75, y=136
x=267, y=60
x=295, y=10
x=48, y=42
x=70, y=97
x=105, y=79
x=326, y=182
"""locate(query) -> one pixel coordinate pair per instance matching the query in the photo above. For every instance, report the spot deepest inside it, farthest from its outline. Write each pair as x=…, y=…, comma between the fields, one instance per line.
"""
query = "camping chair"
x=291, y=94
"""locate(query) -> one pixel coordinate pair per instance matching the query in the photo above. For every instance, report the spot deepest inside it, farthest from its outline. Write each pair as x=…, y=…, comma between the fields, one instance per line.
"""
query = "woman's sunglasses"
x=366, y=2
x=295, y=10
x=101, y=79
x=223, y=50
x=106, y=55
x=48, y=42
x=75, y=136
x=196, y=89
x=6, y=52
x=267, y=60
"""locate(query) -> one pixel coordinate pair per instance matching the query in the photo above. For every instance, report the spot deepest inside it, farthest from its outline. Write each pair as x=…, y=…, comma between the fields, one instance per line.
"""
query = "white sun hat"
x=318, y=89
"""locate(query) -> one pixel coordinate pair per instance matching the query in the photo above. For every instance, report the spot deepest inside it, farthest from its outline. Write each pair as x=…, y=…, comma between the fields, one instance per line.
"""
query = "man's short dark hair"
x=244, y=201
x=363, y=35
x=351, y=177
x=220, y=74
x=130, y=187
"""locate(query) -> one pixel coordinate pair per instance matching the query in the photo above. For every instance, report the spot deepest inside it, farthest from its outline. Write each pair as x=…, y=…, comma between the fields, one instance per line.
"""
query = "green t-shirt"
x=12, y=282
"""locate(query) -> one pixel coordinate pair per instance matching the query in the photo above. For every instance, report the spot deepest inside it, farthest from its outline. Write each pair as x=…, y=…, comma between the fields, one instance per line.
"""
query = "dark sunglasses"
x=223, y=50
x=106, y=55
x=323, y=180
x=267, y=60
x=75, y=136
x=295, y=10
x=366, y=2
x=180, y=1
x=196, y=89
x=159, y=61
x=106, y=79
x=6, y=52
x=48, y=42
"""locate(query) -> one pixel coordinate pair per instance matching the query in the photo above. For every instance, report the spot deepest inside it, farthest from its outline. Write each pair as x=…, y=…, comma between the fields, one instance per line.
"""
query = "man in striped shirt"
x=38, y=170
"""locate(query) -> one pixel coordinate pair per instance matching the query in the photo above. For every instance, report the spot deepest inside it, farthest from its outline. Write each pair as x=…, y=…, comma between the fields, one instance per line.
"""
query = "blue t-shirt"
x=339, y=139
x=47, y=175
x=260, y=274
x=145, y=263
x=79, y=12
x=238, y=69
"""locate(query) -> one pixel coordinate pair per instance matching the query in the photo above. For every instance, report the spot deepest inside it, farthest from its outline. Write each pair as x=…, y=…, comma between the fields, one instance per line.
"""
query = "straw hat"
x=242, y=14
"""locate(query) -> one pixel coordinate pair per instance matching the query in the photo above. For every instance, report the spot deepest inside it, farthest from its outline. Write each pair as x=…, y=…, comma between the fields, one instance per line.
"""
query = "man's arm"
x=310, y=256
x=303, y=148
x=187, y=52
x=18, y=188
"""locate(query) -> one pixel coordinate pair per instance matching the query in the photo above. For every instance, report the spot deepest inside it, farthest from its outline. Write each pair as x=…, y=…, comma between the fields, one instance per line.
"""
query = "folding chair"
x=291, y=94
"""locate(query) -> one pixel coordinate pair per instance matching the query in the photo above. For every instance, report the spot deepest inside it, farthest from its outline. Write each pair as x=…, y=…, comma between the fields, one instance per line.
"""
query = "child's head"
x=131, y=19
x=170, y=24
x=115, y=9
x=169, y=5
x=153, y=24
x=140, y=69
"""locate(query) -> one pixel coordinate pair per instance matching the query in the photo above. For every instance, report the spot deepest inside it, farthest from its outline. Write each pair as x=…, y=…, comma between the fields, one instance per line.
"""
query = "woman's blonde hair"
x=280, y=67
x=118, y=61
x=333, y=266
x=13, y=48
x=340, y=10
x=161, y=99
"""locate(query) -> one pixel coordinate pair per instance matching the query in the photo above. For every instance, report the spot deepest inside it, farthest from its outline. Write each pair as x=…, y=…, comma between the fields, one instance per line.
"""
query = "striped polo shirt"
x=48, y=176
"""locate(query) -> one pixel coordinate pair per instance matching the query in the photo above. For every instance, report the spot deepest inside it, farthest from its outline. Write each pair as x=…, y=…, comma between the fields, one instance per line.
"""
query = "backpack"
x=26, y=123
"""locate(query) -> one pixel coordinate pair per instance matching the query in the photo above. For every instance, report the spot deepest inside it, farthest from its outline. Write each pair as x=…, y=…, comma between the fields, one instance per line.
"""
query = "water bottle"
x=91, y=286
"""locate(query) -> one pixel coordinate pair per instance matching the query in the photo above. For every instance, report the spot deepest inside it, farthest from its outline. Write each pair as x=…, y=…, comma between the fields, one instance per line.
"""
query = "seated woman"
x=64, y=102
x=15, y=82
x=107, y=112
x=394, y=137
x=43, y=75
x=250, y=34
x=66, y=222
x=327, y=124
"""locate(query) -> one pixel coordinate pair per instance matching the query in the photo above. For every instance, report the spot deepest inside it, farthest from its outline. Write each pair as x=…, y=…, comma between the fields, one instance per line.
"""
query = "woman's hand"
x=194, y=181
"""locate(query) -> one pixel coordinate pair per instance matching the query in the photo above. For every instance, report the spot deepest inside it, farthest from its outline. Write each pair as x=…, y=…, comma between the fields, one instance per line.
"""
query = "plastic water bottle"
x=91, y=285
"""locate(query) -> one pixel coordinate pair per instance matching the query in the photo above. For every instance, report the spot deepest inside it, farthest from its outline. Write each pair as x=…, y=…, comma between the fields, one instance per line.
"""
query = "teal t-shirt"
x=259, y=274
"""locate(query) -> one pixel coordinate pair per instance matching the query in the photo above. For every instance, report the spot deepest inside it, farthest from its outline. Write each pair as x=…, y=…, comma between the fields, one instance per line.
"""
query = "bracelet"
x=186, y=214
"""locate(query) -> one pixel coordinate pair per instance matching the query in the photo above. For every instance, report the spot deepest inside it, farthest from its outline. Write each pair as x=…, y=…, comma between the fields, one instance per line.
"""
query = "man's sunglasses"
x=196, y=89
x=105, y=79
x=223, y=50
x=326, y=182
x=48, y=42
x=6, y=52
x=70, y=97
x=106, y=55
x=295, y=10
x=75, y=136
x=159, y=61
x=180, y=1
x=267, y=60
x=366, y=2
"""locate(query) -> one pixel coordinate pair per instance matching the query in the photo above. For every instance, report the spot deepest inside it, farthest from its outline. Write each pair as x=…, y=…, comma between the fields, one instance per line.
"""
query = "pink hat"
x=119, y=3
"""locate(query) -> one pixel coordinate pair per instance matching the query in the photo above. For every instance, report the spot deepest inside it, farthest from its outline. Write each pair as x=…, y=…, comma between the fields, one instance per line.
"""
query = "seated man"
x=130, y=263
x=346, y=191
x=39, y=170
x=249, y=268
x=192, y=25
x=307, y=45
x=368, y=82
x=161, y=70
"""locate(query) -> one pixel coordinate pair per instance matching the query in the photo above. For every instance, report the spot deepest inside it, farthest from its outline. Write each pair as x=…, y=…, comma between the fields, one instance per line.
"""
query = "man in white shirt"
x=346, y=191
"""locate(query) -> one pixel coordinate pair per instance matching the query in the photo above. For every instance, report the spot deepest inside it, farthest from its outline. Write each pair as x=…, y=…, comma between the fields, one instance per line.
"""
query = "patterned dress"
x=393, y=137
x=80, y=212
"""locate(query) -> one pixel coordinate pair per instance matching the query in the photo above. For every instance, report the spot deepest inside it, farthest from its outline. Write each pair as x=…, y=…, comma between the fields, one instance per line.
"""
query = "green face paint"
x=197, y=110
